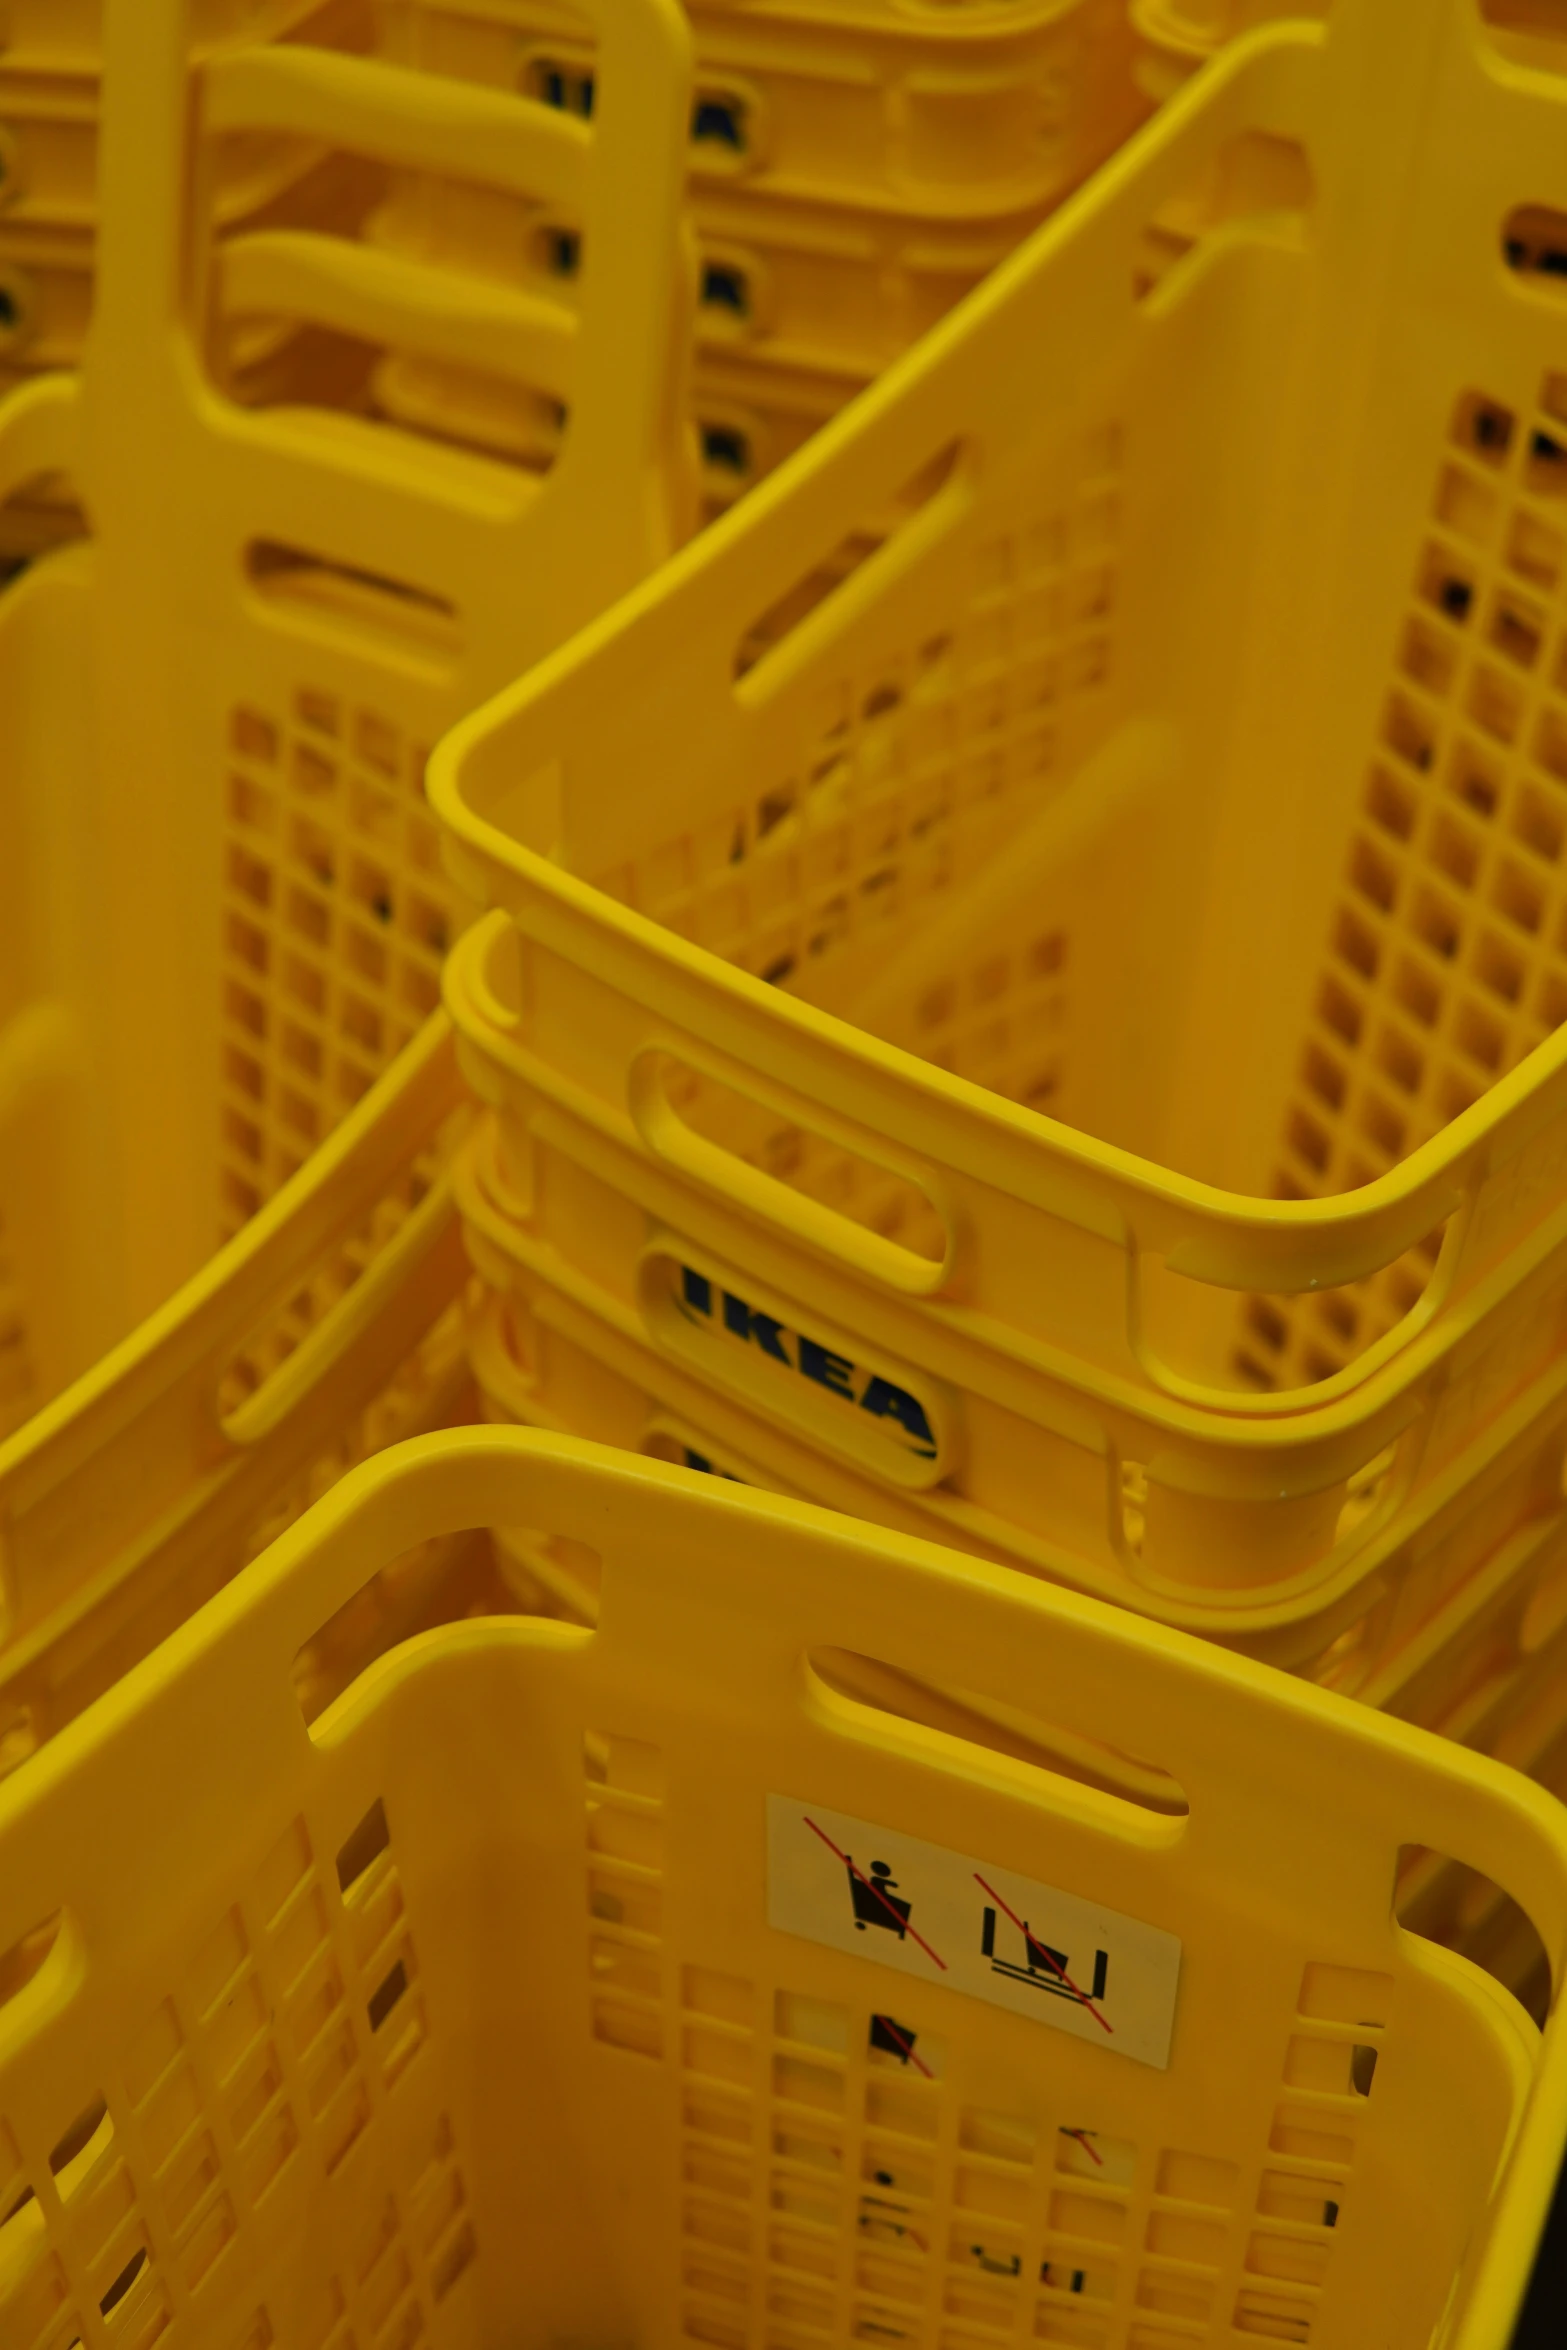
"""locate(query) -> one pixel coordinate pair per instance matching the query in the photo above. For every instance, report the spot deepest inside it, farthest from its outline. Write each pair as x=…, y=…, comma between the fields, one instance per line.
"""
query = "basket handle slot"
x=1530, y=31
x=620, y=480
x=823, y=600
x=23, y=1960
x=458, y=129
x=446, y=1580
x=786, y=1161
x=1296, y=1794
x=382, y=298
x=1257, y=180
x=297, y=582
x=975, y=1729
x=1534, y=247
x=42, y=432
x=674, y=1543
x=1449, y=1902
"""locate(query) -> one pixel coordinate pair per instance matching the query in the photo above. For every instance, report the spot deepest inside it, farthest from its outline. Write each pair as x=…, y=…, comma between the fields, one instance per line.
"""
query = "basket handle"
x=617, y=487
x=479, y=1002
x=754, y=1192
x=697, y=1570
x=1260, y=1755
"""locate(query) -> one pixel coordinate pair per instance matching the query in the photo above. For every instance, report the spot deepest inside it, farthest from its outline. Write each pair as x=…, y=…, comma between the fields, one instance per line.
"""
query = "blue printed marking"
x=840, y=1376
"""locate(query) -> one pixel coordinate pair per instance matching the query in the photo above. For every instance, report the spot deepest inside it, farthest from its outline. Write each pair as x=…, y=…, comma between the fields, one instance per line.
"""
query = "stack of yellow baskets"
x=310, y=473
x=852, y=171
x=1021, y=1000
x=224, y=911
x=1024, y=992
x=1025, y=981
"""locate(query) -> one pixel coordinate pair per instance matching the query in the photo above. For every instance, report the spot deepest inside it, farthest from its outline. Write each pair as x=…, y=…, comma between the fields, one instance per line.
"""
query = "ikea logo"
x=891, y=1410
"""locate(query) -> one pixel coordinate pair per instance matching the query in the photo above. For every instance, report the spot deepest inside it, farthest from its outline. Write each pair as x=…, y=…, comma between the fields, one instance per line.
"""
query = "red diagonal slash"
x=871, y=1886
x=1030, y=1943
x=907, y=2046
x=1083, y=2140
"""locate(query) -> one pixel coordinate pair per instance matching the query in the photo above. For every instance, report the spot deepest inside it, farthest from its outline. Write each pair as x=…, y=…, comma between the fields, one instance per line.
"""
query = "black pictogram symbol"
x=1046, y=1969
x=895, y=2039
x=1035, y=1975
x=875, y=1903
x=994, y=2266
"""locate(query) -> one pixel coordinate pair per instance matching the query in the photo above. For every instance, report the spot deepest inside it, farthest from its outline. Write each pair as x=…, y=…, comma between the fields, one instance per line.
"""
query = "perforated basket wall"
x=275, y=2069
x=272, y=907
x=218, y=991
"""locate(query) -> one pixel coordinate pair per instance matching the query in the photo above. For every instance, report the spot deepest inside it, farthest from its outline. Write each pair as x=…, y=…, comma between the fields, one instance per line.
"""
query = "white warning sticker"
x=975, y=1927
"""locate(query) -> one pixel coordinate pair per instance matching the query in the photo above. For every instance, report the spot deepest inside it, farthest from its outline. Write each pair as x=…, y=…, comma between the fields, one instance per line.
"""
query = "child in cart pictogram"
x=875, y=1904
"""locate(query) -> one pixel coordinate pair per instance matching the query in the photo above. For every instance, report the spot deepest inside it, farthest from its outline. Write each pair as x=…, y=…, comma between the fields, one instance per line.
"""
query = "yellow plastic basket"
x=484, y=2009
x=1175, y=37
x=282, y=606
x=810, y=284
x=851, y=177
x=204, y=968
x=798, y=286
x=955, y=735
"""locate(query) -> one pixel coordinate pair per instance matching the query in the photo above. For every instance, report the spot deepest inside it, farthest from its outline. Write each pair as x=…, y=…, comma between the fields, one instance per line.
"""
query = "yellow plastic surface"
x=1475, y=1652
x=793, y=283
x=852, y=173
x=557, y=1349
x=812, y=284
x=284, y=603
x=1174, y=37
x=873, y=105
x=457, y=2012
x=45, y=300
x=1453, y=1647
x=1135, y=778
x=210, y=949
x=48, y=135
x=329, y=1326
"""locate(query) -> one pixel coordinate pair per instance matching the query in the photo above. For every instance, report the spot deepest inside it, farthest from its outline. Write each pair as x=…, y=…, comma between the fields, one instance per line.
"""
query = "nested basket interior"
x=1195, y=769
